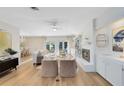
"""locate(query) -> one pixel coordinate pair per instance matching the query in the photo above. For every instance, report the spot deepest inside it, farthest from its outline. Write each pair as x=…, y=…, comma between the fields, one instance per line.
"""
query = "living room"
x=61, y=46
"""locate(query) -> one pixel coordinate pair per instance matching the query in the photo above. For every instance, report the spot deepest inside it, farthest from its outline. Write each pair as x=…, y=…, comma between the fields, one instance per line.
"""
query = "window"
x=60, y=46
x=63, y=46
x=50, y=47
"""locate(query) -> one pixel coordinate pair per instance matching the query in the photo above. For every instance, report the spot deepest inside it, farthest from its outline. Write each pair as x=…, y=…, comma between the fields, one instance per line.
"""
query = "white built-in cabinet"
x=100, y=66
x=111, y=69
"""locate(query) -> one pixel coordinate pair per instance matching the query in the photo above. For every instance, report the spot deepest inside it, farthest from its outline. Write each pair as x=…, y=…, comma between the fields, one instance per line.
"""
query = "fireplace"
x=86, y=54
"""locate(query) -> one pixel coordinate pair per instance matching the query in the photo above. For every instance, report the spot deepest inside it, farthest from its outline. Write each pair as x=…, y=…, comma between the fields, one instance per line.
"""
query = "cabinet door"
x=100, y=67
x=114, y=72
x=123, y=76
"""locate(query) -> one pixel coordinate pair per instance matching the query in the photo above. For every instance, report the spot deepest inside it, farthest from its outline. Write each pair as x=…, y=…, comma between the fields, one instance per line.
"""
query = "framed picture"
x=78, y=46
x=118, y=39
x=5, y=41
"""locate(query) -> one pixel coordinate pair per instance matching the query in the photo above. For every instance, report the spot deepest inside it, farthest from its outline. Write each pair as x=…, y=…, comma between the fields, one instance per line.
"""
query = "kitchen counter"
x=113, y=59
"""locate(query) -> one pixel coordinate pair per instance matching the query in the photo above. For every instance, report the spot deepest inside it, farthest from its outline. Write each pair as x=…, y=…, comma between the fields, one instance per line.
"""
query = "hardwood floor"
x=28, y=75
x=23, y=59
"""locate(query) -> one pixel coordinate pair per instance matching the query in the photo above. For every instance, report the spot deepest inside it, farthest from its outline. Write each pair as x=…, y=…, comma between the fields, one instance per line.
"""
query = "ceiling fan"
x=55, y=24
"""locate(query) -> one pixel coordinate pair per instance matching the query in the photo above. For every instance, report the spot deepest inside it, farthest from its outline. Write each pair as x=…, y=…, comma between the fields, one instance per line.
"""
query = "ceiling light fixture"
x=54, y=29
x=54, y=26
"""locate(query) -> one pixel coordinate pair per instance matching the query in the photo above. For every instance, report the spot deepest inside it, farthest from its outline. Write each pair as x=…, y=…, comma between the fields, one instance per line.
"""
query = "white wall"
x=107, y=23
x=88, y=32
x=109, y=17
x=108, y=32
x=15, y=35
x=35, y=43
x=102, y=24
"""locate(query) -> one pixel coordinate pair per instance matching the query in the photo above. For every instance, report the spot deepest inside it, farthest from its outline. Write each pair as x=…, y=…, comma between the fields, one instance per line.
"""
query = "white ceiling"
x=71, y=20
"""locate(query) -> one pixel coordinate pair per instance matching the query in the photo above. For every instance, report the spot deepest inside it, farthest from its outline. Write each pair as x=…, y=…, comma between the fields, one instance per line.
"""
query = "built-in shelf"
x=101, y=40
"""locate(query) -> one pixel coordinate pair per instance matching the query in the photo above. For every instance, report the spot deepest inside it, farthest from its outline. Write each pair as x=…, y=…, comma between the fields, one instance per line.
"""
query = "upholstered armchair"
x=68, y=68
x=37, y=58
x=49, y=68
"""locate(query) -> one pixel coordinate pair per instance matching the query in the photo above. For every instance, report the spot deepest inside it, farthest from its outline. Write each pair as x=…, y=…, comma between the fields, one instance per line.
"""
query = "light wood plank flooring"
x=28, y=75
x=23, y=59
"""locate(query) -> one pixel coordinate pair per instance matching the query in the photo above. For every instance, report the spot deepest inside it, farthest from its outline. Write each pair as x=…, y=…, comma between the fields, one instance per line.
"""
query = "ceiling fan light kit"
x=54, y=29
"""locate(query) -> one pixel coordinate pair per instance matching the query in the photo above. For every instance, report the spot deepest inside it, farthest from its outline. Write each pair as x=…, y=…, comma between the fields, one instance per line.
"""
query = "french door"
x=63, y=46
